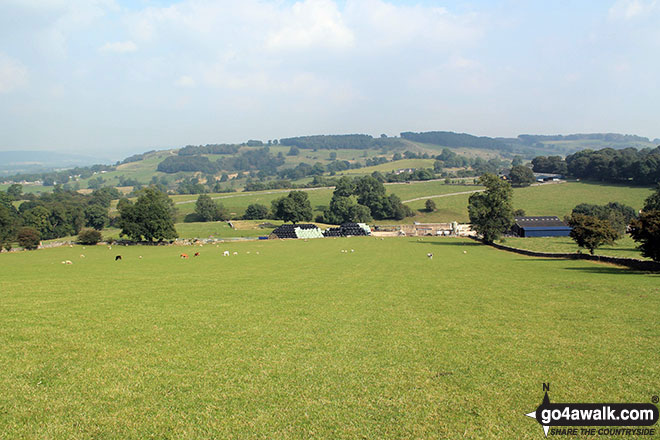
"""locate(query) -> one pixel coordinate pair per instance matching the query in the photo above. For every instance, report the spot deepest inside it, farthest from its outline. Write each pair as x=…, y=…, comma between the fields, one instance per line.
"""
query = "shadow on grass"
x=451, y=242
x=612, y=270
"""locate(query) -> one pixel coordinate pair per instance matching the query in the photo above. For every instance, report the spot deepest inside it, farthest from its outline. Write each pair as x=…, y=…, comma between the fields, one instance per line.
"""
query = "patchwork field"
x=304, y=341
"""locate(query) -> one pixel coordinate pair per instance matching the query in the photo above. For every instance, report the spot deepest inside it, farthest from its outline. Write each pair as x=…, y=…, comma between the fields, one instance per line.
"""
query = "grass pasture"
x=303, y=341
x=549, y=199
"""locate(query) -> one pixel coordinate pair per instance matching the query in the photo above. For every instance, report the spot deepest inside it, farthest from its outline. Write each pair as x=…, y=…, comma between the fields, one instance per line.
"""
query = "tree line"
x=52, y=178
x=342, y=142
x=629, y=165
x=53, y=215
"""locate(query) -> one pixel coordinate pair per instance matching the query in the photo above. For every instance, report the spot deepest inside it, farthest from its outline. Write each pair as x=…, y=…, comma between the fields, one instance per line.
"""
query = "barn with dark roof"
x=548, y=226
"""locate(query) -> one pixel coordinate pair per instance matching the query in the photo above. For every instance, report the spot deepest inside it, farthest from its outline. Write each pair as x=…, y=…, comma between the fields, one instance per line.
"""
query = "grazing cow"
x=352, y=250
x=68, y=262
x=235, y=253
x=82, y=256
x=430, y=256
x=225, y=254
x=257, y=252
x=197, y=254
x=140, y=257
x=118, y=257
x=465, y=252
x=184, y=256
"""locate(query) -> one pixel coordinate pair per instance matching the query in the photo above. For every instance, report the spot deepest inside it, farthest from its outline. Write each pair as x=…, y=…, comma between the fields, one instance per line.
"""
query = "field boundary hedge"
x=633, y=263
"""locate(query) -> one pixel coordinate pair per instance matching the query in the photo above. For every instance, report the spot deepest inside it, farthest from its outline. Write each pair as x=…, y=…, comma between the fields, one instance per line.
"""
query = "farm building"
x=550, y=226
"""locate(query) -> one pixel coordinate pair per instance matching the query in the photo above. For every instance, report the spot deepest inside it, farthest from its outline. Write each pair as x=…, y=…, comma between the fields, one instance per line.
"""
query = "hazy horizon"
x=112, y=77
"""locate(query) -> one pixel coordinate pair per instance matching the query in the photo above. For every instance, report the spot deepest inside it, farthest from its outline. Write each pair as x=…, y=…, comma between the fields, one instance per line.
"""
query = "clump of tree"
x=207, y=210
x=591, y=232
x=256, y=211
x=520, y=176
x=89, y=237
x=150, y=218
x=491, y=211
x=344, y=206
x=362, y=200
x=550, y=164
x=190, y=186
x=294, y=208
x=63, y=213
x=9, y=221
x=619, y=215
x=28, y=238
x=430, y=205
x=646, y=229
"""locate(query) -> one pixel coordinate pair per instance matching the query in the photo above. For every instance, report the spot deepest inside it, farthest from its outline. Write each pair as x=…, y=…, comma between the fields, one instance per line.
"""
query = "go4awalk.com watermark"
x=596, y=419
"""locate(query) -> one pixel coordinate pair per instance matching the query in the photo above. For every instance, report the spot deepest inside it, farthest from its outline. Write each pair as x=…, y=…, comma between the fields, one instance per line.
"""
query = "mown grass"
x=303, y=341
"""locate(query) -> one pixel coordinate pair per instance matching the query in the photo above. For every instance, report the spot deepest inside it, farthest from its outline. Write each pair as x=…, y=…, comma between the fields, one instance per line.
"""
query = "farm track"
x=444, y=195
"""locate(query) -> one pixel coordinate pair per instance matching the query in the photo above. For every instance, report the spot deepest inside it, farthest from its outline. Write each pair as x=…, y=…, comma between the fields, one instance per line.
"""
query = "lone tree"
x=28, y=238
x=491, y=211
x=430, y=205
x=646, y=229
x=150, y=218
x=521, y=176
x=591, y=232
x=89, y=236
x=293, y=208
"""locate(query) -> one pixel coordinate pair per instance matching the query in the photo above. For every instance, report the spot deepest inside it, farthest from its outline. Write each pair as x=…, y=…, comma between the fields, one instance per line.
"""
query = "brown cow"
x=118, y=257
x=197, y=254
x=184, y=255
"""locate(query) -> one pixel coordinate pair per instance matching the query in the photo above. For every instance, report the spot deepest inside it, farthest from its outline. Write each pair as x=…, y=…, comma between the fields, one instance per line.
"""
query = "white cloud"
x=13, y=74
x=185, y=81
x=630, y=9
x=119, y=47
x=379, y=23
x=311, y=23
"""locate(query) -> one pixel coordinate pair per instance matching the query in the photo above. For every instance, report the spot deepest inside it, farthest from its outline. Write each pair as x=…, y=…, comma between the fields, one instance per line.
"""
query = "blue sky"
x=112, y=77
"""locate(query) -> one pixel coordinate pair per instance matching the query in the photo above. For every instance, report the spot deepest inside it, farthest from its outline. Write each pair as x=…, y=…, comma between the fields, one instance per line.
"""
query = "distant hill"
x=532, y=145
x=13, y=162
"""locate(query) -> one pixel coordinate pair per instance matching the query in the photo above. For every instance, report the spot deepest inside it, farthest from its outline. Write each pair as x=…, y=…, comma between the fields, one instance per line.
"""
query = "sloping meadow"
x=295, y=339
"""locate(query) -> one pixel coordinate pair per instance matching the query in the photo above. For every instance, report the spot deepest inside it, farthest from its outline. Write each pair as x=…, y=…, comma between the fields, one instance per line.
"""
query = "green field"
x=303, y=341
x=319, y=197
x=549, y=199
x=390, y=166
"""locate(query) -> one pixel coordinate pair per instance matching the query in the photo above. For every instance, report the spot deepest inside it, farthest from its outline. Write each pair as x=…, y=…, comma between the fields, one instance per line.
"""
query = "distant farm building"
x=548, y=177
x=540, y=227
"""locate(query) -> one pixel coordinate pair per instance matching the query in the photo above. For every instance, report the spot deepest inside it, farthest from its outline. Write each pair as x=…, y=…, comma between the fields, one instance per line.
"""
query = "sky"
x=115, y=77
